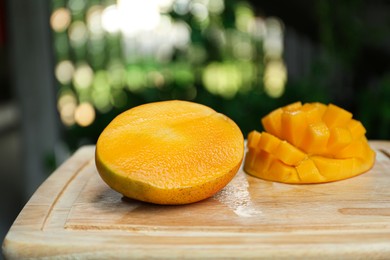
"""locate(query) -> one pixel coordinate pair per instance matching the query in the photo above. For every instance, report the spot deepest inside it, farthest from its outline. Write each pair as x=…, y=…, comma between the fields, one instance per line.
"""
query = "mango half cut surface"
x=169, y=152
x=308, y=143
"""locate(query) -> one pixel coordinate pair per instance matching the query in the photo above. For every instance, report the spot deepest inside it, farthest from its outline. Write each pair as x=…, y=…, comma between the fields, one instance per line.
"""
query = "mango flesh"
x=308, y=143
x=170, y=152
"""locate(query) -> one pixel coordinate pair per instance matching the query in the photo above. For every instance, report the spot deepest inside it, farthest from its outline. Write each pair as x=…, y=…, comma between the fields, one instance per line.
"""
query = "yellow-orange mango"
x=335, y=169
x=272, y=122
x=336, y=116
x=268, y=142
x=253, y=139
x=259, y=164
x=169, y=152
x=310, y=143
x=356, y=128
x=280, y=172
x=293, y=106
x=294, y=122
x=289, y=154
x=313, y=112
x=339, y=138
x=308, y=172
x=315, y=138
x=356, y=149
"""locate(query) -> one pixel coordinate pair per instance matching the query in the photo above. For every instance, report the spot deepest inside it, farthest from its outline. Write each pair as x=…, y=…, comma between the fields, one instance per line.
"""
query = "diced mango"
x=313, y=112
x=364, y=164
x=336, y=116
x=321, y=108
x=253, y=139
x=308, y=172
x=260, y=164
x=309, y=143
x=356, y=128
x=289, y=154
x=250, y=156
x=356, y=149
x=268, y=142
x=315, y=138
x=280, y=172
x=335, y=169
x=339, y=138
x=293, y=106
x=293, y=124
x=293, y=178
x=272, y=122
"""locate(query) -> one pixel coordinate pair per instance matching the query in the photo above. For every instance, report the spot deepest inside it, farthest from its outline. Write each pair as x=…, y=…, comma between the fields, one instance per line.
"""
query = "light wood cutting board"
x=74, y=214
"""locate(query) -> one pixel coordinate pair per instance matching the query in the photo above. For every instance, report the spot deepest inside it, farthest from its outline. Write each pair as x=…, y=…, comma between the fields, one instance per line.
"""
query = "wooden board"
x=74, y=214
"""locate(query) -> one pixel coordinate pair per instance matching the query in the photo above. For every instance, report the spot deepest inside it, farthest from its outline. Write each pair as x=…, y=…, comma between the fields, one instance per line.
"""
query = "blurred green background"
x=233, y=56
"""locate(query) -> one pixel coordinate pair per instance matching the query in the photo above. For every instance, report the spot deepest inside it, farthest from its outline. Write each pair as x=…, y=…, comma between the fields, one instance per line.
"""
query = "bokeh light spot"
x=222, y=79
x=78, y=33
x=111, y=19
x=83, y=76
x=66, y=106
x=84, y=114
x=275, y=77
x=60, y=19
x=64, y=71
x=94, y=20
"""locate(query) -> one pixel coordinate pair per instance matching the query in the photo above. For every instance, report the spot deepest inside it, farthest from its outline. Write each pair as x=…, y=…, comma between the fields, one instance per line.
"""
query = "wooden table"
x=75, y=215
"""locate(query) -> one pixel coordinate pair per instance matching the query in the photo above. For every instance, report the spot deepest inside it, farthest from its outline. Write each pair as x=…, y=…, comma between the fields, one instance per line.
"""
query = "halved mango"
x=170, y=152
x=310, y=143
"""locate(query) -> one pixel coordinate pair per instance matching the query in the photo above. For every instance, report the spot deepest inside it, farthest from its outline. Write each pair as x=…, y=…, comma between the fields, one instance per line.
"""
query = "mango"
x=170, y=152
x=309, y=143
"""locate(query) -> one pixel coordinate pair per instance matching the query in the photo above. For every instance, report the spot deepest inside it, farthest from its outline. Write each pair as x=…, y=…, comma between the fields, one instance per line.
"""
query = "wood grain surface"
x=74, y=214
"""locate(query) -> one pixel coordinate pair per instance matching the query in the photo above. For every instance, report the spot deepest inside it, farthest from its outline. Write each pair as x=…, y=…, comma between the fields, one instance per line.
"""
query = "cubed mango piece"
x=356, y=128
x=272, y=122
x=315, y=138
x=259, y=165
x=253, y=139
x=268, y=142
x=308, y=172
x=356, y=148
x=335, y=169
x=313, y=112
x=339, y=138
x=289, y=154
x=293, y=124
x=280, y=172
x=336, y=116
x=293, y=106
